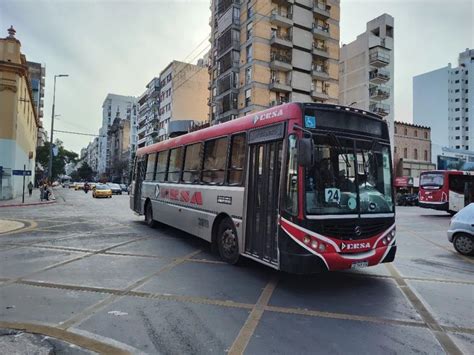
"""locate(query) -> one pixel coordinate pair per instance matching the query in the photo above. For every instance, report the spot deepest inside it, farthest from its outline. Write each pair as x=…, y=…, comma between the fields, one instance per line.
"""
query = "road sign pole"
x=24, y=173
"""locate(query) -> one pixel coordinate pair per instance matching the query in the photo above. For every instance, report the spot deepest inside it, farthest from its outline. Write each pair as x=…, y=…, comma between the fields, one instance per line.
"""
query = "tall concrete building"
x=183, y=98
x=267, y=52
x=124, y=107
x=19, y=120
x=366, y=70
x=444, y=100
x=148, y=114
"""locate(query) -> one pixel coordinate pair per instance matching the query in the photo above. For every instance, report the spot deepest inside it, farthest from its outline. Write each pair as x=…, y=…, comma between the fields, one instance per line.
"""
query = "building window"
x=426, y=135
x=405, y=153
x=426, y=155
x=248, y=97
x=395, y=128
x=457, y=137
x=416, y=133
x=395, y=150
x=249, y=10
x=456, y=109
x=406, y=131
x=249, y=30
x=457, y=128
x=249, y=53
x=415, y=154
x=248, y=75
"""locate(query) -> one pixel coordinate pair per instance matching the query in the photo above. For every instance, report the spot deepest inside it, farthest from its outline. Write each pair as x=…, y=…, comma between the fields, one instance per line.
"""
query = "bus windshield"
x=349, y=177
x=432, y=179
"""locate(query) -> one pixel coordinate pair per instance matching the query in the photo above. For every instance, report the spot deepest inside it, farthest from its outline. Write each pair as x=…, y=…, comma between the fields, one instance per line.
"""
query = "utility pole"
x=50, y=163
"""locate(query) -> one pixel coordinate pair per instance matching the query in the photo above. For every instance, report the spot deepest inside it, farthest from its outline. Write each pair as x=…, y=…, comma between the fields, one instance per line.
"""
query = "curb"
x=29, y=204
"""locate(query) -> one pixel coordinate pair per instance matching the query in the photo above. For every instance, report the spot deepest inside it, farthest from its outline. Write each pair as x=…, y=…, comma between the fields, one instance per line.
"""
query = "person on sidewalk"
x=41, y=191
x=30, y=188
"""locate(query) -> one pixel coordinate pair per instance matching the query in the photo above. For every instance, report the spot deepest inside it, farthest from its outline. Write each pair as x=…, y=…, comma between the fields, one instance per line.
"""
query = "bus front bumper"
x=443, y=206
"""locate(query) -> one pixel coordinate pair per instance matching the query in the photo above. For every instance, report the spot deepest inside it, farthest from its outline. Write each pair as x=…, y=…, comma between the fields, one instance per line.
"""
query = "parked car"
x=79, y=186
x=407, y=200
x=116, y=189
x=124, y=187
x=461, y=230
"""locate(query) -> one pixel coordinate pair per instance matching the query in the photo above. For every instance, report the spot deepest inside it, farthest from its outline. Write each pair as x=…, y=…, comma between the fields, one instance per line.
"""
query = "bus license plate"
x=359, y=264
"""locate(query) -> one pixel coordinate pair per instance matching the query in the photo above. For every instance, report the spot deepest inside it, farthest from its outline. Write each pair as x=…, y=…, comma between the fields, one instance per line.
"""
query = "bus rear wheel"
x=228, y=242
x=149, y=215
x=464, y=244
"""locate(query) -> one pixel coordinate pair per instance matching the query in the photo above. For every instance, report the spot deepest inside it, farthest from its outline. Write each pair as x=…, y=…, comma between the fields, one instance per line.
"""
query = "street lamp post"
x=50, y=163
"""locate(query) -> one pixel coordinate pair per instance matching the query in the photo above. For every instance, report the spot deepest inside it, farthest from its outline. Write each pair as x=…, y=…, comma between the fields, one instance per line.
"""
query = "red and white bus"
x=300, y=187
x=446, y=190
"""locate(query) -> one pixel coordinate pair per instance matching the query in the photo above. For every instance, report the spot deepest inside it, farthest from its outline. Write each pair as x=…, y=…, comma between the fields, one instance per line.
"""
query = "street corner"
x=9, y=226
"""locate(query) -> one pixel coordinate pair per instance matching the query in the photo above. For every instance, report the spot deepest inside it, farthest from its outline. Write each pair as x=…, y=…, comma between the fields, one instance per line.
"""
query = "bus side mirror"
x=305, y=152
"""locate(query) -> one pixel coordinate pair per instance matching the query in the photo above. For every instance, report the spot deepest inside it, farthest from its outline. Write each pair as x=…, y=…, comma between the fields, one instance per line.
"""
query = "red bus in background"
x=446, y=190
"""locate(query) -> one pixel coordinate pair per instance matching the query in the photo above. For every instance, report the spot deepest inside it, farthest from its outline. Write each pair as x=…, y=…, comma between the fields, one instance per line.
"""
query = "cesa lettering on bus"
x=353, y=246
x=194, y=198
x=267, y=115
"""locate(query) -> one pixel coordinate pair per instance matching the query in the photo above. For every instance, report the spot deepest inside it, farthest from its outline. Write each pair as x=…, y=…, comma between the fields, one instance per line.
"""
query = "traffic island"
x=9, y=226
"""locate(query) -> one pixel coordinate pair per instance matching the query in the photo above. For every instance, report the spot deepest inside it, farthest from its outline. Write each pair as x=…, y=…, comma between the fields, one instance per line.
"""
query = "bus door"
x=140, y=169
x=469, y=192
x=262, y=200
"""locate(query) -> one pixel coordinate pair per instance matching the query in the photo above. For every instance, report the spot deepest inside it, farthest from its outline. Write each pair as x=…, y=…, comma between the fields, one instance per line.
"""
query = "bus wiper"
x=340, y=148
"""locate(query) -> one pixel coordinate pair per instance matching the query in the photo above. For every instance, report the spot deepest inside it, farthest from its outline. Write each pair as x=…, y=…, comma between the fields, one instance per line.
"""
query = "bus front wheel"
x=149, y=215
x=227, y=242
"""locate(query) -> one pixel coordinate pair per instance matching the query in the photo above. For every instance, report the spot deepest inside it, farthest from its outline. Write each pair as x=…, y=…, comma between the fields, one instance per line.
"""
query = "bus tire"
x=149, y=215
x=227, y=242
x=464, y=244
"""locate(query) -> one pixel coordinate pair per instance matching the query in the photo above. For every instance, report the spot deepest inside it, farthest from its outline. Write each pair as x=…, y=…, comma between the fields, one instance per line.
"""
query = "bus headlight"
x=322, y=247
x=306, y=239
x=314, y=244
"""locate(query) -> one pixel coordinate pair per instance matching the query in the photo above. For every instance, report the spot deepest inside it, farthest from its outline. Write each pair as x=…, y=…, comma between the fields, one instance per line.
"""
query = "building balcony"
x=320, y=51
x=320, y=72
x=281, y=20
x=280, y=85
x=380, y=109
x=280, y=62
x=379, y=57
x=379, y=93
x=281, y=40
x=379, y=76
x=321, y=10
x=283, y=2
x=321, y=32
x=318, y=94
x=141, y=142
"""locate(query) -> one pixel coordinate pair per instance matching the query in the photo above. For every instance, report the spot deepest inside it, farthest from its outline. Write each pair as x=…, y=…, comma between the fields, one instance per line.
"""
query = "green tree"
x=85, y=172
x=63, y=157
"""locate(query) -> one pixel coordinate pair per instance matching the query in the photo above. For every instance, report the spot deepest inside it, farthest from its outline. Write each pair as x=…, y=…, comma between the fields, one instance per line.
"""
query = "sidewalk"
x=34, y=200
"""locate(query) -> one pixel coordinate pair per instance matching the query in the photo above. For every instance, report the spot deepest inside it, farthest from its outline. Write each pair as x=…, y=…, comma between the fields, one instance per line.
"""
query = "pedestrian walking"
x=30, y=188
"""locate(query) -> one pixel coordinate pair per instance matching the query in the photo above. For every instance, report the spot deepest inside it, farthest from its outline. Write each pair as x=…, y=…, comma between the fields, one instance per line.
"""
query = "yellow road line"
x=446, y=342
x=246, y=332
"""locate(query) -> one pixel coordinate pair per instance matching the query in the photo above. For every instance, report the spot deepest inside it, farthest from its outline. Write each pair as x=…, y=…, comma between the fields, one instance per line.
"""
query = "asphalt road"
x=90, y=272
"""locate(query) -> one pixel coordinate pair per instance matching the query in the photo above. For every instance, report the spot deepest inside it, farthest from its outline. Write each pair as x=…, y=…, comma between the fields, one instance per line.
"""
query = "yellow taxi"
x=101, y=190
x=79, y=186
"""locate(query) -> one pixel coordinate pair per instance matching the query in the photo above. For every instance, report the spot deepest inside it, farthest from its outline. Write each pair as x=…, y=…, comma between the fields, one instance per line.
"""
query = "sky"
x=112, y=46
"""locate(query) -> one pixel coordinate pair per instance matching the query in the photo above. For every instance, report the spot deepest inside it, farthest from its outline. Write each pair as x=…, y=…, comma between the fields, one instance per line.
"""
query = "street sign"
x=21, y=172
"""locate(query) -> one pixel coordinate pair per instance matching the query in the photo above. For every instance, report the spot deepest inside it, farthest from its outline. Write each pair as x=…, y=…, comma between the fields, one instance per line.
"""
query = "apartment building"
x=366, y=70
x=183, y=98
x=148, y=114
x=124, y=107
x=268, y=52
x=412, y=151
x=19, y=119
x=93, y=154
x=444, y=99
x=119, y=136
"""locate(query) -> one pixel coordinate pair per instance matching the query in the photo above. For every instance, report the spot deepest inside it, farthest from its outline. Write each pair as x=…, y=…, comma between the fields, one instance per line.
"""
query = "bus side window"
x=237, y=160
x=291, y=193
x=215, y=155
x=192, y=163
x=161, y=163
x=175, y=164
x=150, y=167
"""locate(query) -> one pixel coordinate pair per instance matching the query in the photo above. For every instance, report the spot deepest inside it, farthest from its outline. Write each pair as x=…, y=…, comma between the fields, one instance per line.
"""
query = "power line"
x=78, y=133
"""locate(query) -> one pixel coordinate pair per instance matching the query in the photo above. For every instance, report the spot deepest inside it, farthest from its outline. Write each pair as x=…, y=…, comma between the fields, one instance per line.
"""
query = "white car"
x=461, y=230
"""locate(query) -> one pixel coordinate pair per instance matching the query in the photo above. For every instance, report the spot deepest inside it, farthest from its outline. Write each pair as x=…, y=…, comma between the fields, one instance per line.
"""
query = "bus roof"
x=289, y=111
x=254, y=120
x=446, y=172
